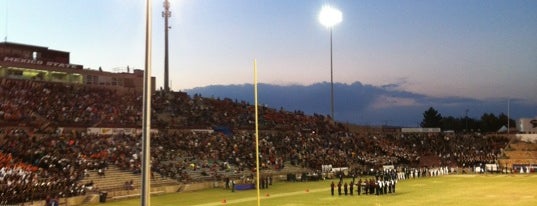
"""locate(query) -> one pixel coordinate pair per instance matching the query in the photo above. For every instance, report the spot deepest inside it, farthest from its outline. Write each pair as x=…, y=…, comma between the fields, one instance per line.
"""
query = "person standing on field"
x=339, y=188
x=332, y=188
x=351, y=188
x=359, y=186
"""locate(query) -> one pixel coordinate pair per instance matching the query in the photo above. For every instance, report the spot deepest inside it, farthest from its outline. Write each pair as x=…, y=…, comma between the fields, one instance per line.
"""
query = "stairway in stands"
x=519, y=153
x=114, y=179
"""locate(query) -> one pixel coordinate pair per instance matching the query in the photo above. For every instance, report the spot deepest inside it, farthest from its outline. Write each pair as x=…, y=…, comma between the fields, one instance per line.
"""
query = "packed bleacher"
x=37, y=160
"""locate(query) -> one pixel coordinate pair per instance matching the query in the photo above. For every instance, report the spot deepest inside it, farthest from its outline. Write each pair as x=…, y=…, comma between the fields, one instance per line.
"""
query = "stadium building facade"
x=527, y=125
x=29, y=62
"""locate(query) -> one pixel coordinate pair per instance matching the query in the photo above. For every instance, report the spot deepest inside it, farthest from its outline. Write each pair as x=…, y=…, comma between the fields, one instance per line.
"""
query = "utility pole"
x=466, y=118
x=508, y=120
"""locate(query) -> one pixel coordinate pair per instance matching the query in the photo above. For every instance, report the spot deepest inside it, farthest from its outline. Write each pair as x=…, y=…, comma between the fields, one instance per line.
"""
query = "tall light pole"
x=166, y=14
x=329, y=17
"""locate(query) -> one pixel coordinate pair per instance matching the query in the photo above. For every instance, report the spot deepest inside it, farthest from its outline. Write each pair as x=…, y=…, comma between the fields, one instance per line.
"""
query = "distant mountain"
x=366, y=104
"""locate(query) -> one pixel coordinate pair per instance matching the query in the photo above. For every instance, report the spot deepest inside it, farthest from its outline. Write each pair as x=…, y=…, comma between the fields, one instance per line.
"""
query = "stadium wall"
x=532, y=138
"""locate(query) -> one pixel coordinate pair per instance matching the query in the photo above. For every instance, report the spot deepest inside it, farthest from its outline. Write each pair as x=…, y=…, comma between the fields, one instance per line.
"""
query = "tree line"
x=487, y=123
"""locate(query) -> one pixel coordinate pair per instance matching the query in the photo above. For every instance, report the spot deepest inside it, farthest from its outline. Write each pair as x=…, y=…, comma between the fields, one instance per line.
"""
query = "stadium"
x=72, y=135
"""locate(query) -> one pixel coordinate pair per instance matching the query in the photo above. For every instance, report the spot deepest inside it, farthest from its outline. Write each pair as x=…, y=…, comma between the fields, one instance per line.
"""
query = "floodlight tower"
x=166, y=14
x=329, y=17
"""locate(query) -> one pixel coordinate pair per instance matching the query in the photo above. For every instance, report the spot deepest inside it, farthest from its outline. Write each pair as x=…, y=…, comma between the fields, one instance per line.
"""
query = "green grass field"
x=446, y=190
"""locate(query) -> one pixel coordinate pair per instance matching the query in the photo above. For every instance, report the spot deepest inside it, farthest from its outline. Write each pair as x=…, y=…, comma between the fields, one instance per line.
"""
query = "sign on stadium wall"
x=420, y=130
x=202, y=130
x=388, y=167
x=492, y=167
x=340, y=169
x=326, y=168
x=41, y=62
x=111, y=131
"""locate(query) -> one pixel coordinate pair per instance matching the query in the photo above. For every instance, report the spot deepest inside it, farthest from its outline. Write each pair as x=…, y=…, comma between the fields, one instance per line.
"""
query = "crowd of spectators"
x=30, y=169
x=452, y=150
x=26, y=102
x=35, y=162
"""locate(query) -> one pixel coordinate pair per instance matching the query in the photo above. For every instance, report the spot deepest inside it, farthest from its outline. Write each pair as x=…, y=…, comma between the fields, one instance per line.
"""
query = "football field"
x=444, y=190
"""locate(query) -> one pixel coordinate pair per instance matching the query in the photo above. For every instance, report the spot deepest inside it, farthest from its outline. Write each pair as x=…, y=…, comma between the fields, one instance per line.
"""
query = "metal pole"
x=256, y=135
x=146, y=127
x=166, y=14
x=331, y=79
x=466, y=119
x=508, y=108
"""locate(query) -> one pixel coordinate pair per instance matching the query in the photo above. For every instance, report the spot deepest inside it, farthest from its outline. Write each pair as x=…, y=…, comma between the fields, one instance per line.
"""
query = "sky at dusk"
x=480, y=48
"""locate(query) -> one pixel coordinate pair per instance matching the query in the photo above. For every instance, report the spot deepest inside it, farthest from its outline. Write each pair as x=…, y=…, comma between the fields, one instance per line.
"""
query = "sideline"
x=271, y=196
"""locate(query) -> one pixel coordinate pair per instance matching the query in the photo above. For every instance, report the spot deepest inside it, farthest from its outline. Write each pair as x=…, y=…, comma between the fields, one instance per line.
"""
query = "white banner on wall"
x=420, y=130
x=111, y=131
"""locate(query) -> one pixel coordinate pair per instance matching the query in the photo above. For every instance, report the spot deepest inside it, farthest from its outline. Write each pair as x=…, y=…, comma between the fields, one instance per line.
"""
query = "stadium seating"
x=44, y=126
x=519, y=153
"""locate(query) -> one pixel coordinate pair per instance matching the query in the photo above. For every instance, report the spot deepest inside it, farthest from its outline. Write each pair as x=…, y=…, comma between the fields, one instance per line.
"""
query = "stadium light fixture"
x=329, y=17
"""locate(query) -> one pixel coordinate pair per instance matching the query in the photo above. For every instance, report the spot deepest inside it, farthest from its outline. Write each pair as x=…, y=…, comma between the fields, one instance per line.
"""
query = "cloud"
x=367, y=104
x=398, y=85
x=384, y=101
